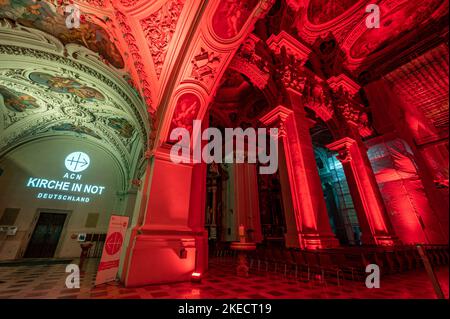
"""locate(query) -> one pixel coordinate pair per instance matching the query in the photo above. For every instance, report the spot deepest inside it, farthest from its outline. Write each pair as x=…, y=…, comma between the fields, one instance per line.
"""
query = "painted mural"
x=69, y=127
x=49, y=18
x=322, y=11
x=185, y=112
x=231, y=16
x=16, y=101
x=66, y=85
x=122, y=126
x=396, y=23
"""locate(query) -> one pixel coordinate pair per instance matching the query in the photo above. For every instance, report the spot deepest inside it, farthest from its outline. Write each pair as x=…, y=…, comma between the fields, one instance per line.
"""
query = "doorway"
x=46, y=235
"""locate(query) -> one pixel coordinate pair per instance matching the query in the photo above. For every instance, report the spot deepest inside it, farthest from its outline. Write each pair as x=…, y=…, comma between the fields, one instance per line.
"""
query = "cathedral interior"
x=91, y=91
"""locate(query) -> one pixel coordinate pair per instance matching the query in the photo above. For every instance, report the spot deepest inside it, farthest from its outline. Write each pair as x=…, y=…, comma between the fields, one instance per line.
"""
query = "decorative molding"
x=159, y=29
x=42, y=53
x=249, y=63
x=344, y=82
x=98, y=3
x=292, y=46
x=343, y=148
x=139, y=63
x=204, y=65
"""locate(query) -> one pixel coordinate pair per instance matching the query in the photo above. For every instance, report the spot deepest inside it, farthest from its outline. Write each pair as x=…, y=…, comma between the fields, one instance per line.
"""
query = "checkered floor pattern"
x=48, y=281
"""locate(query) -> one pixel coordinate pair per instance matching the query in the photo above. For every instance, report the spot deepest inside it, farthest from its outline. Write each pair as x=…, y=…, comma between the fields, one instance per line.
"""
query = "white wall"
x=45, y=158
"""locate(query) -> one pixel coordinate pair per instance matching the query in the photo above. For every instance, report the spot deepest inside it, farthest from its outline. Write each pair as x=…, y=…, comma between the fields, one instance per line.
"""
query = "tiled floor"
x=48, y=281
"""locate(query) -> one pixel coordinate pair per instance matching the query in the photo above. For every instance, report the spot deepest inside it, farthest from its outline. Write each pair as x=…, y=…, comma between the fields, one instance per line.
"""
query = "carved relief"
x=128, y=3
x=136, y=56
x=316, y=96
x=205, y=65
x=97, y=3
x=247, y=51
x=249, y=63
x=344, y=155
x=353, y=113
x=290, y=74
x=159, y=29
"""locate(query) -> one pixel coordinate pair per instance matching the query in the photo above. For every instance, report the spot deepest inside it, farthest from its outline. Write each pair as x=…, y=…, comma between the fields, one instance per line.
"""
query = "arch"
x=74, y=91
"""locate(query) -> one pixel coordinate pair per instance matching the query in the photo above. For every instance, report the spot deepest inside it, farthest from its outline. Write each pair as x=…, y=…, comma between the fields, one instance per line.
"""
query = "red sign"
x=109, y=264
x=113, y=243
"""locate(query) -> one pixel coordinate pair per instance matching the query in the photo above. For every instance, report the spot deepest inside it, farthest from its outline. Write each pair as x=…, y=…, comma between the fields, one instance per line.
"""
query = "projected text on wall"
x=70, y=187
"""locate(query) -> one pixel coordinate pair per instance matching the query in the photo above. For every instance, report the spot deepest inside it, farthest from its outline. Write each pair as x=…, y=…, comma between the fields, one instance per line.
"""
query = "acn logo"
x=77, y=162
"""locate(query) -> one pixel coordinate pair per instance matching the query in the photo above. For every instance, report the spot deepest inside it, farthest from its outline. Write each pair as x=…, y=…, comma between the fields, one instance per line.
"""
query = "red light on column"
x=196, y=277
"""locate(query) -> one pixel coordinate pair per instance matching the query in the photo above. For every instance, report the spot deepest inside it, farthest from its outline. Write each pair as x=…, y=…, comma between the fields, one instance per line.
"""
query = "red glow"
x=196, y=277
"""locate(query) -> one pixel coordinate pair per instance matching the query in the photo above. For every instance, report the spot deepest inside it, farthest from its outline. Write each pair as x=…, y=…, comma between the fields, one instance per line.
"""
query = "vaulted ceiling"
x=165, y=48
x=337, y=32
x=49, y=88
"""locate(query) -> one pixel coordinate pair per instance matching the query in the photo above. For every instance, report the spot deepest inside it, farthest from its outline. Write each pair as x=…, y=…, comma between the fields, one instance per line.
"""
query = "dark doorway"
x=46, y=235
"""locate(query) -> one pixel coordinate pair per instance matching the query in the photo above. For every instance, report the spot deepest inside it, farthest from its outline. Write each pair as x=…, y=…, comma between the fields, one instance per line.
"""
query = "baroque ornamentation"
x=15, y=50
x=204, y=65
x=353, y=113
x=128, y=3
x=80, y=113
x=249, y=63
x=344, y=155
x=136, y=57
x=97, y=3
x=159, y=29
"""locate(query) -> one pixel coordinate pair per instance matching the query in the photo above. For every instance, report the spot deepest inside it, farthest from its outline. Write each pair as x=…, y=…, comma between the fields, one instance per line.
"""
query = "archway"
x=61, y=105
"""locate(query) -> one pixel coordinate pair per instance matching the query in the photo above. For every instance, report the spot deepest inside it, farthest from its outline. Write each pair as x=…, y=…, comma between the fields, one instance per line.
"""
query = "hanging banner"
x=109, y=263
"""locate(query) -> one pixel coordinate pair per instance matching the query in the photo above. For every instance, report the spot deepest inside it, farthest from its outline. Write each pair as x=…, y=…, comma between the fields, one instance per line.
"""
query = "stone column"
x=372, y=216
x=247, y=200
x=308, y=203
x=169, y=241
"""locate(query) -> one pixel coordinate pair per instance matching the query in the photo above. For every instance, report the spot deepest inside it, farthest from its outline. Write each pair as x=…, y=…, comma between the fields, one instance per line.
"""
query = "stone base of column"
x=318, y=241
x=160, y=259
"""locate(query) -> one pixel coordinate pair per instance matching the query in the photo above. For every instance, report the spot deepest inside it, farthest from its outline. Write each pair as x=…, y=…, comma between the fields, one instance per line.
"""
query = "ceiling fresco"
x=66, y=85
x=74, y=128
x=122, y=126
x=46, y=17
x=397, y=22
x=16, y=101
x=322, y=11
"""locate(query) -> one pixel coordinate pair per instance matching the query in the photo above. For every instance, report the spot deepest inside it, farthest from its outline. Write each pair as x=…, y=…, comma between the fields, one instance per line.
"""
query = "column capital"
x=293, y=46
x=342, y=144
x=277, y=115
x=347, y=84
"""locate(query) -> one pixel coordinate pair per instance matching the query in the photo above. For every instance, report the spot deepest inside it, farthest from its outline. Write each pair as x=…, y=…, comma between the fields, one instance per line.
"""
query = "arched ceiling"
x=172, y=51
x=323, y=11
x=48, y=16
x=48, y=89
x=357, y=48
